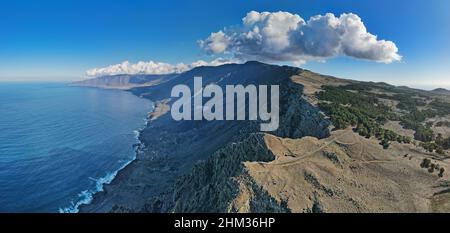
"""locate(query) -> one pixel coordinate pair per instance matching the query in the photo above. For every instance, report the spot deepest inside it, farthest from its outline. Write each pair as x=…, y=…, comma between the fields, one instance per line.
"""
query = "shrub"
x=441, y=172
x=425, y=163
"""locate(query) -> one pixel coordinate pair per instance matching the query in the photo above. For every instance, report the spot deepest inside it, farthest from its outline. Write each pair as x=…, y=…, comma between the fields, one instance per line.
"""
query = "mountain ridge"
x=200, y=166
x=441, y=91
x=124, y=81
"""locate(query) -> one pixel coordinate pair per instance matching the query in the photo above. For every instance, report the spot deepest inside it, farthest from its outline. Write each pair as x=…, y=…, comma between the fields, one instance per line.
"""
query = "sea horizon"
x=78, y=139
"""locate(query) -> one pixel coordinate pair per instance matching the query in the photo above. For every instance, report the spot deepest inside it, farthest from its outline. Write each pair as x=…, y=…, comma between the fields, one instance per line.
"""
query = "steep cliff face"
x=342, y=172
x=301, y=167
x=229, y=166
x=172, y=148
x=211, y=185
x=221, y=183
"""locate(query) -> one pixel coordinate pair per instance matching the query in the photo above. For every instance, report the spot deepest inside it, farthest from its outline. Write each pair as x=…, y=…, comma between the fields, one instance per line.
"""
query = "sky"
x=68, y=40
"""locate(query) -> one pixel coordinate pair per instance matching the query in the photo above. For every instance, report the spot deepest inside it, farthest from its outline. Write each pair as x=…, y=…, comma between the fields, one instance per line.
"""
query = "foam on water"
x=86, y=196
x=60, y=145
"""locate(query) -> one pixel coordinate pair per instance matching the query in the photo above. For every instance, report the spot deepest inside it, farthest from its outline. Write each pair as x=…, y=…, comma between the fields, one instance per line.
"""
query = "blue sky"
x=59, y=41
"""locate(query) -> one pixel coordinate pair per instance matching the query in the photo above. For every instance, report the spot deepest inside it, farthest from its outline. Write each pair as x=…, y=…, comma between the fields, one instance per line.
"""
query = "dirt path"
x=296, y=160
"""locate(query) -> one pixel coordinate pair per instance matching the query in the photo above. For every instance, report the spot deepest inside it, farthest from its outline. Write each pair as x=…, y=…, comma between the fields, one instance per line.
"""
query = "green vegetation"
x=408, y=102
x=425, y=163
x=357, y=105
x=431, y=167
x=431, y=146
x=439, y=144
x=423, y=134
x=441, y=108
x=441, y=172
x=365, y=113
x=443, y=124
x=414, y=119
x=444, y=143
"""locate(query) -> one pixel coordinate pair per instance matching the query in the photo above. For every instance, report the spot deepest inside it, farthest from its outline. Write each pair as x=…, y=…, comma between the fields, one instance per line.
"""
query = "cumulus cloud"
x=152, y=67
x=283, y=36
x=217, y=42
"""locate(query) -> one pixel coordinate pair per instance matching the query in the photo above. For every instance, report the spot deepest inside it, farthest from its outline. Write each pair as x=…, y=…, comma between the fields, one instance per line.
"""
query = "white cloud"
x=283, y=36
x=217, y=42
x=152, y=67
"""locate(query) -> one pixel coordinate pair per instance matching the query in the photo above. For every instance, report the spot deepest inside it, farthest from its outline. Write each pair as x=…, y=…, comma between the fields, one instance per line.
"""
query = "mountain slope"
x=304, y=166
x=124, y=81
x=342, y=173
x=171, y=148
x=346, y=172
x=441, y=91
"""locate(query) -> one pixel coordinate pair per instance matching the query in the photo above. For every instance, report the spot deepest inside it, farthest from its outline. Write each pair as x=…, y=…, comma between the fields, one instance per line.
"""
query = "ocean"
x=60, y=144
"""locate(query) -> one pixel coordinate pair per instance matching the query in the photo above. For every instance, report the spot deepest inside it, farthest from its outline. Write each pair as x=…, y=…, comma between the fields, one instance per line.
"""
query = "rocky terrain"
x=331, y=153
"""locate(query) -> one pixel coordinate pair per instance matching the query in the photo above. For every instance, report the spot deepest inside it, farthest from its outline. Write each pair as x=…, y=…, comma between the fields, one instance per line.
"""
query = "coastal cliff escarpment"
x=222, y=184
x=230, y=166
x=171, y=150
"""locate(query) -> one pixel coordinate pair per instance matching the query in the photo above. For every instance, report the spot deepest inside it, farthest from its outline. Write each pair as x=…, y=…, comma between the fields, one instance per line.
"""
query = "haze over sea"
x=59, y=144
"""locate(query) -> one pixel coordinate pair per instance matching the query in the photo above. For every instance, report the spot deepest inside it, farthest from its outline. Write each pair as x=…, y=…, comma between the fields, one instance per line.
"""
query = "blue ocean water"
x=59, y=144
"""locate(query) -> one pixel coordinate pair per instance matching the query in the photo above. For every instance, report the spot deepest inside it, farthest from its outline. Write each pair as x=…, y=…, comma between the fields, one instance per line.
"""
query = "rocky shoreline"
x=138, y=149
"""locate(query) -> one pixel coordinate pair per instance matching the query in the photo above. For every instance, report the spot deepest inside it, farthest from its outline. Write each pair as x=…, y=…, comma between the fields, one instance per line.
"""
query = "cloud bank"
x=151, y=67
x=283, y=36
x=277, y=37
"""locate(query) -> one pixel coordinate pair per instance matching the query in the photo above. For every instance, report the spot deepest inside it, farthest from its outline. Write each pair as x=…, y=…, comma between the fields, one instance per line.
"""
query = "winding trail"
x=337, y=139
x=296, y=160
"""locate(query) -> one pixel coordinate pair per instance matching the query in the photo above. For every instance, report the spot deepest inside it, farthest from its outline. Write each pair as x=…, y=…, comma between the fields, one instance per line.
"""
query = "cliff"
x=172, y=148
x=304, y=166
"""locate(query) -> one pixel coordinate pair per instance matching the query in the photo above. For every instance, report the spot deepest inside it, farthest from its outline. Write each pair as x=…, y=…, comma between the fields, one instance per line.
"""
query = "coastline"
x=124, y=172
x=87, y=196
